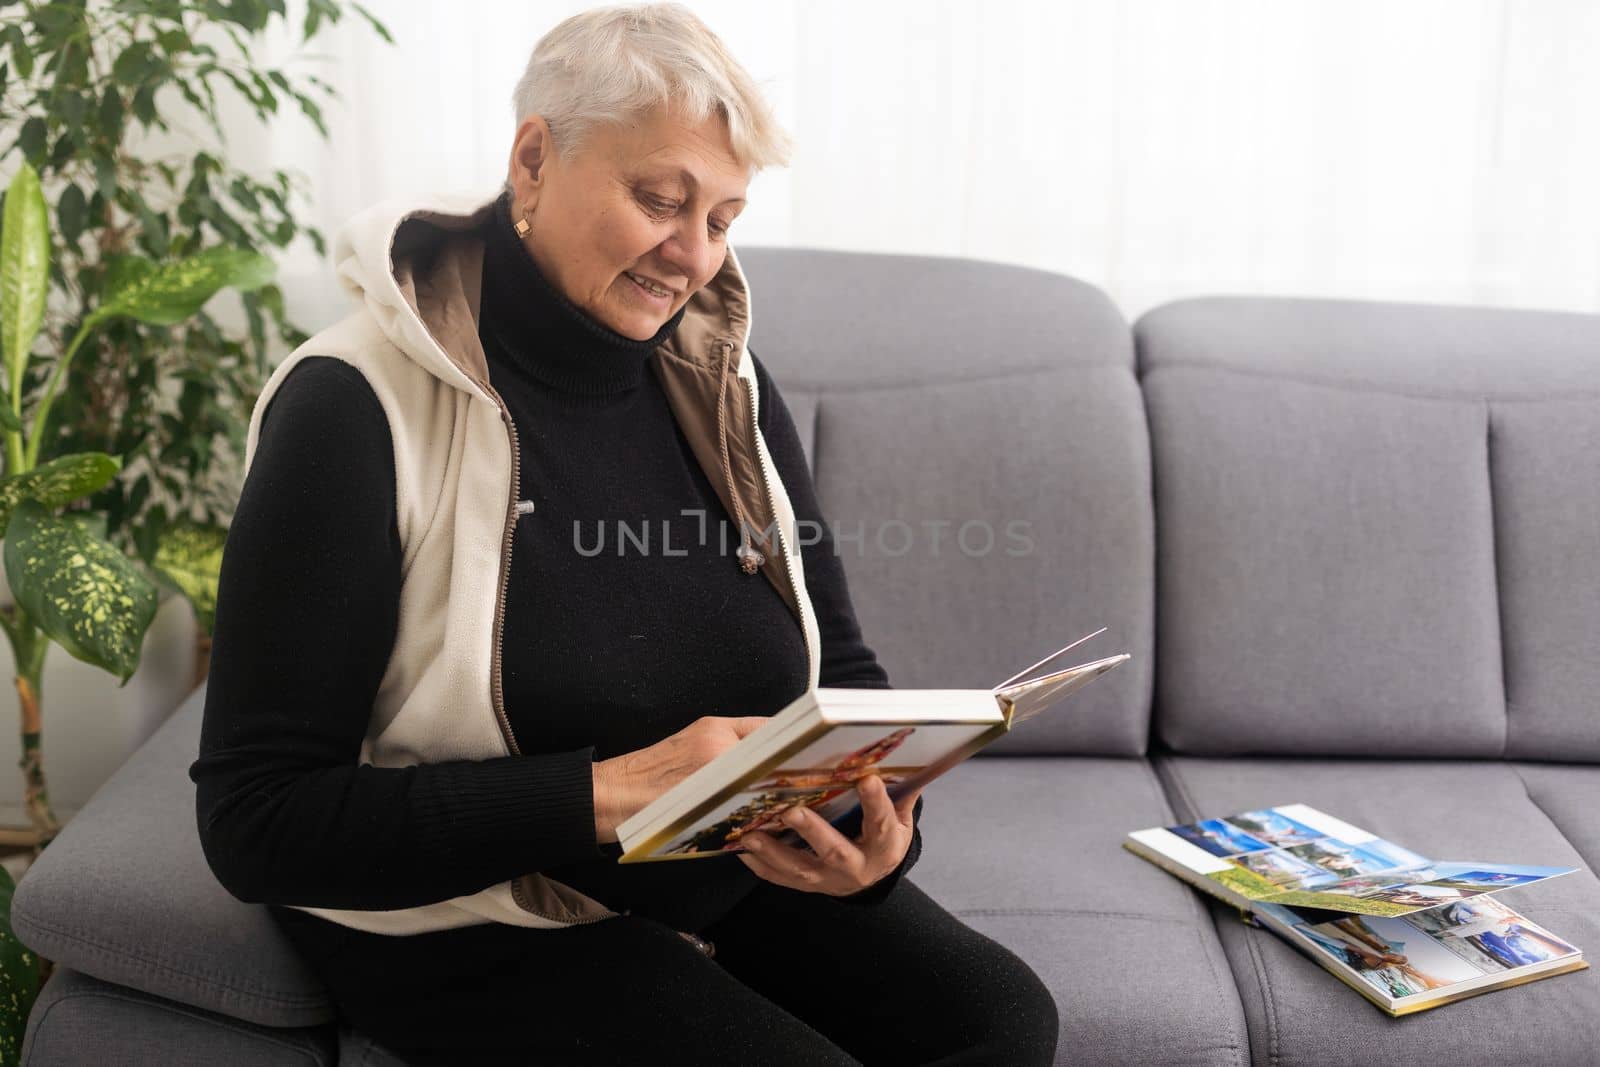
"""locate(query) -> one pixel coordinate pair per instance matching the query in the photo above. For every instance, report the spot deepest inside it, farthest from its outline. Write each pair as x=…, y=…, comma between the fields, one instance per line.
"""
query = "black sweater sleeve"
x=847, y=662
x=306, y=618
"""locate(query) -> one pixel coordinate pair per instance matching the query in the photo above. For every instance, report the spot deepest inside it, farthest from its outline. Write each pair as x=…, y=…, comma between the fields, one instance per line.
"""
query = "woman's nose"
x=689, y=250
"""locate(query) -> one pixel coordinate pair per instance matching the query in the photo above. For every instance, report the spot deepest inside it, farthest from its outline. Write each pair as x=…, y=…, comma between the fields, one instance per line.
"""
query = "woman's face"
x=653, y=199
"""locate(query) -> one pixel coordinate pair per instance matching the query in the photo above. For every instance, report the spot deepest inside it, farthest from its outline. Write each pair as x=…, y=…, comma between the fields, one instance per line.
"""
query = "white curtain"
x=1431, y=150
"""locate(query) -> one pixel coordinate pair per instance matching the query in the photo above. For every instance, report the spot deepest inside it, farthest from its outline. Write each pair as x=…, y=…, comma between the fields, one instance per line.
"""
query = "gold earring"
x=523, y=226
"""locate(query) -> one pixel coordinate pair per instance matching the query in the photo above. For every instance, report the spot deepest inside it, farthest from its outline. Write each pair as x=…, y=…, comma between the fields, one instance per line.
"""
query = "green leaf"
x=19, y=978
x=63, y=150
x=312, y=111
x=164, y=294
x=189, y=555
x=135, y=63
x=21, y=54
x=123, y=271
x=24, y=271
x=69, y=108
x=264, y=92
x=175, y=40
x=58, y=482
x=316, y=11
x=144, y=104
x=105, y=177
x=8, y=418
x=79, y=589
x=31, y=138
x=53, y=19
x=243, y=196
x=93, y=522
x=152, y=227
x=109, y=115
x=71, y=211
x=372, y=20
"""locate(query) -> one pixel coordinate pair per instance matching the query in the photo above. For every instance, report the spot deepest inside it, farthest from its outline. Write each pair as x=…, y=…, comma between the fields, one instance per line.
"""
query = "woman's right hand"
x=626, y=783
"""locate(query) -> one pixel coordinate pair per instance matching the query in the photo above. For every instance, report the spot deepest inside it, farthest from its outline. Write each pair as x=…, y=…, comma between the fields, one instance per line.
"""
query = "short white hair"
x=610, y=65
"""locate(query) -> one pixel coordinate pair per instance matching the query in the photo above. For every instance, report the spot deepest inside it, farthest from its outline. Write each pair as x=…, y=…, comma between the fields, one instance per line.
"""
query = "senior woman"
x=432, y=700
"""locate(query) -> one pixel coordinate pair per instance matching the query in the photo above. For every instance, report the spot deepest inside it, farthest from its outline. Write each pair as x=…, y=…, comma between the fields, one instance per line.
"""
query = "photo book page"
x=1428, y=957
x=1298, y=856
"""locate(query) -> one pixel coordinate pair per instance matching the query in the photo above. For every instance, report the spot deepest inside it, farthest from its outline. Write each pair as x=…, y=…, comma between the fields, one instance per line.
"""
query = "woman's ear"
x=531, y=150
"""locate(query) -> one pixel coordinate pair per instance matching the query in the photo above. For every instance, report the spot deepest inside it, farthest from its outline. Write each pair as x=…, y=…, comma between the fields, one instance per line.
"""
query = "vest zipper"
x=496, y=687
x=749, y=558
x=772, y=507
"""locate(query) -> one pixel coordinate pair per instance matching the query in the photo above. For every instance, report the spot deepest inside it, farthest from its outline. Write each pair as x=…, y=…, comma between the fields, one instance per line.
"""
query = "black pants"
x=796, y=979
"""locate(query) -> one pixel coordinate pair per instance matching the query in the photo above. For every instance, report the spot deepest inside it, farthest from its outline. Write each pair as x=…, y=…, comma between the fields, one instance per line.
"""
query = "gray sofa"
x=1354, y=549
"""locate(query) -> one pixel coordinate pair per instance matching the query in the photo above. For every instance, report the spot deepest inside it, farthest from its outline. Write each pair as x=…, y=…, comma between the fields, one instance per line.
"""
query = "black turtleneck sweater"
x=613, y=639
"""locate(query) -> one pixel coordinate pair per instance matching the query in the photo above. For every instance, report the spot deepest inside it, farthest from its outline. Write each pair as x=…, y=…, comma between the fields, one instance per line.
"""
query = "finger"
x=832, y=849
x=905, y=807
x=879, y=820
x=801, y=870
x=767, y=872
x=744, y=724
x=763, y=870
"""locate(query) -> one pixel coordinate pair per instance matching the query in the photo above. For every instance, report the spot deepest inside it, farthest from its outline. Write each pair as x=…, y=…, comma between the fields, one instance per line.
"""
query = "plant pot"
x=91, y=726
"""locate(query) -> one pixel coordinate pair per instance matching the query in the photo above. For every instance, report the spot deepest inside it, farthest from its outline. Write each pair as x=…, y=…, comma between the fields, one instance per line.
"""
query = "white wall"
x=1439, y=150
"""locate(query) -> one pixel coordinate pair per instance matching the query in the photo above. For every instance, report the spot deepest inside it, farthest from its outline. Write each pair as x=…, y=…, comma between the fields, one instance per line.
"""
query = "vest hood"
x=416, y=267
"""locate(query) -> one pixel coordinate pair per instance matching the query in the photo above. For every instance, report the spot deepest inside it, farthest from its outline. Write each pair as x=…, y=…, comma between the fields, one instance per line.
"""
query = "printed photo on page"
x=1295, y=855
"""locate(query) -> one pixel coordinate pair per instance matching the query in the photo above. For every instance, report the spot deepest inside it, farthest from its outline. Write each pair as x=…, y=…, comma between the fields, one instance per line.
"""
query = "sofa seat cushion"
x=82, y=1020
x=1027, y=850
x=125, y=894
x=1301, y=1014
x=1569, y=793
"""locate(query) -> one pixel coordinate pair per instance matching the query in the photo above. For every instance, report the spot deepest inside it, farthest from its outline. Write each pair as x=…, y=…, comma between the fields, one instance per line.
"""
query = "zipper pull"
x=750, y=560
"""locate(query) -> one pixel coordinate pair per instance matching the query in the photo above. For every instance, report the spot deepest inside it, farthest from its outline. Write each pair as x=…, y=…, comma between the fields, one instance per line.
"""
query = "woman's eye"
x=665, y=209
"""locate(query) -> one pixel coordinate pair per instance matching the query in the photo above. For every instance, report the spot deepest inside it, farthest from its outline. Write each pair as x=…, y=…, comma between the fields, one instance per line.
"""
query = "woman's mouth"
x=651, y=293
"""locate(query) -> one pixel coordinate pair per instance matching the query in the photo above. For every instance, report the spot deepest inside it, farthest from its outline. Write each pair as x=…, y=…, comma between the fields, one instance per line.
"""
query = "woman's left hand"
x=840, y=866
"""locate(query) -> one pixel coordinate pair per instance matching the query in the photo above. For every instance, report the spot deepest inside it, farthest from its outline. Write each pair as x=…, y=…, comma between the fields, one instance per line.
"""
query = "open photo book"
x=812, y=752
x=1406, y=932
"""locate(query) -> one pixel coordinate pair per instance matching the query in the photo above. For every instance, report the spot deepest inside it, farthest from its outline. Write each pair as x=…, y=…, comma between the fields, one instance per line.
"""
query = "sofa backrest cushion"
x=977, y=436
x=1378, y=527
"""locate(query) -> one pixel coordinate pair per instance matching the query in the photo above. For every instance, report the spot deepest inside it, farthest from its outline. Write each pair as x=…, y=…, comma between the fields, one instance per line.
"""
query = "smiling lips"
x=651, y=286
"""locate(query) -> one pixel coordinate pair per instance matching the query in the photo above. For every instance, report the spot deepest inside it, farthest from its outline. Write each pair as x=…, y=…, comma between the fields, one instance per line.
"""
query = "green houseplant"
x=123, y=402
x=87, y=90
x=70, y=584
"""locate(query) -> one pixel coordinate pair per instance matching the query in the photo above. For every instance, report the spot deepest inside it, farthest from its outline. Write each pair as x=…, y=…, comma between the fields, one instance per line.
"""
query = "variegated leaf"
x=164, y=294
x=19, y=979
x=24, y=270
x=78, y=588
x=57, y=483
x=190, y=557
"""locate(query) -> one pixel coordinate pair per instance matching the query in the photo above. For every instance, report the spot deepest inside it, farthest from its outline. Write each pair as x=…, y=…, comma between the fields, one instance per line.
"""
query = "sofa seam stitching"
x=1069, y=911
x=1201, y=914
x=171, y=1007
x=908, y=386
x=1494, y=563
x=1182, y=788
x=1362, y=387
x=109, y=951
